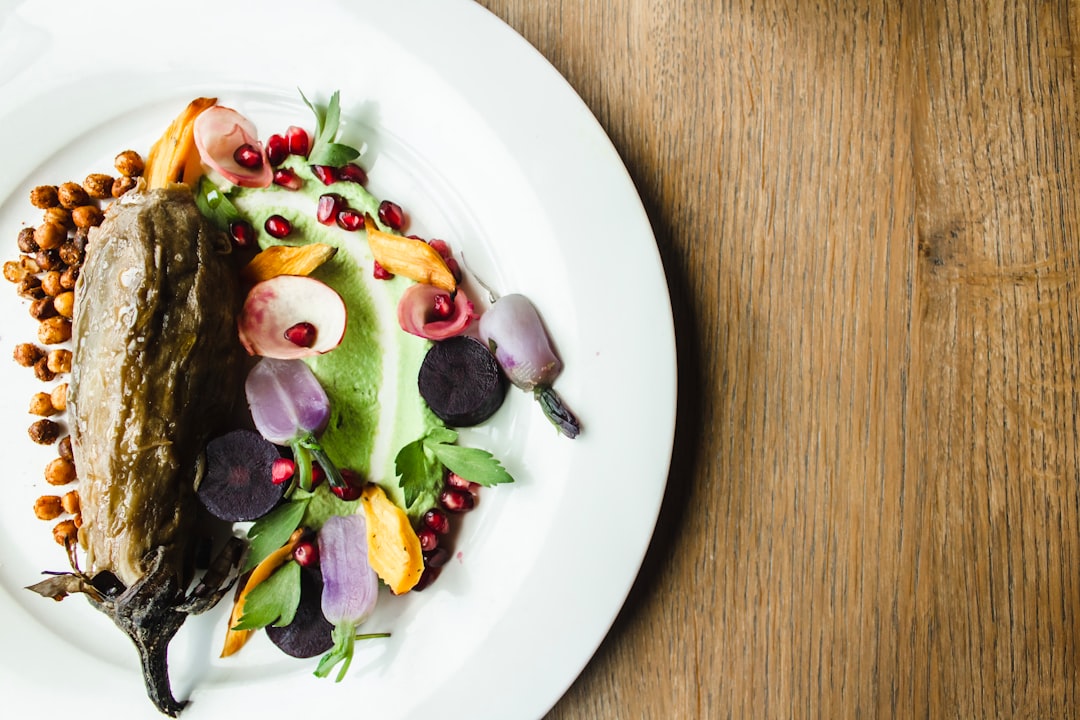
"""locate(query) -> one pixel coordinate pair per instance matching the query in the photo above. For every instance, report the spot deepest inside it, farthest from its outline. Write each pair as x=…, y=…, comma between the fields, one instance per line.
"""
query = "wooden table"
x=869, y=221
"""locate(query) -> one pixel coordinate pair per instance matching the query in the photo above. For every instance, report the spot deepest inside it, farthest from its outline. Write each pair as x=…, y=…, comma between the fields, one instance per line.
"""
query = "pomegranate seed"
x=426, y=578
x=435, y=519
x=391, y=214
x=301, y=334
x=352, y=488
x=352, y=173
x=277, y=226
x=381, y=273
x=299, y=143
x=330, y=205
x=454, y=268
x=441, y=247
x=317, y=476
x=327, y=175
x=436, y=558
x=248, y=156
x=428, y=539
x=349, y=219
x=242, y=233
x=456, y=500
x=306, y=553
x=443, y=306
x=277, y=149
x=455, y=480
x=282, y=470
x=288, y=179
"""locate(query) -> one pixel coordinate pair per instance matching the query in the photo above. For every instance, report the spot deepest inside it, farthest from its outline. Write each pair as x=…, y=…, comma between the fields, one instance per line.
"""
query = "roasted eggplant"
x=156, y=368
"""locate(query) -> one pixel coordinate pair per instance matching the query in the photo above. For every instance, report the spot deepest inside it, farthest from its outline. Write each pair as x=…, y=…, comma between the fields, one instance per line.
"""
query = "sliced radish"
x=424, y=310
x=275, y=308
x=219, y=132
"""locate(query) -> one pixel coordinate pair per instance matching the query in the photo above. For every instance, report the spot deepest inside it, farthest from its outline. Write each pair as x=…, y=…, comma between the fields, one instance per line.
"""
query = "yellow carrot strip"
x=286, y=260
x=393, y=548
x=173, y=158
x=415, y=259
x=235, y=639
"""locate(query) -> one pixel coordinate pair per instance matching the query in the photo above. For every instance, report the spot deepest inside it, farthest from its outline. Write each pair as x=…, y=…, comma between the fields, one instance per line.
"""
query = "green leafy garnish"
x=273, y=601
x=271, y=531
x=325, y=150
x=420, y=465
x=214, y=204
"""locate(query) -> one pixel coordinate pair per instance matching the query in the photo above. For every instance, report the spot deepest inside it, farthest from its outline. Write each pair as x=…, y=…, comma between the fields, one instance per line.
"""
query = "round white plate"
x=471, y=130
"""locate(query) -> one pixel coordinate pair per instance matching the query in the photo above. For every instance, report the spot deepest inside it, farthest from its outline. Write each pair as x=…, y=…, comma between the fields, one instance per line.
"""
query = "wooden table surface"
x=869, y=223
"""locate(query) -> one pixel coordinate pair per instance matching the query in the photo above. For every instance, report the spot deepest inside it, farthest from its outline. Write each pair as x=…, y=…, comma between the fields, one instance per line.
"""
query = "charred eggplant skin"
x=155, y=371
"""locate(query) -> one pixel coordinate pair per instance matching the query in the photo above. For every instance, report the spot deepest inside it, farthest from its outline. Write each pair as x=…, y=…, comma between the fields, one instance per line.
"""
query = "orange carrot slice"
x=393, y=547
x=414, y=259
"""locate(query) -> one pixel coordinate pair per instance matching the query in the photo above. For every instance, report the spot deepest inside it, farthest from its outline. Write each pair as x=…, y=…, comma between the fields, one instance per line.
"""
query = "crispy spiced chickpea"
x=129, y=164
x=70, y=502
x=30, y=288
x=60, y=471
x=44, y=431
x=30, y=264
x=59, y=401
x=50, y=235
x=44, y=196
x=27, y=244
x=66, y=532
x=54, y=330
x=59, y=360
x=48, y=507
x=70, y=254
x=14, y=271
x=98, y=185
x=41, y=405
x=64, y=304
x=122, y=185
x=72, y=195
x=87, y=216
x=42, y=308
x=26, y=354
x=69, y=276
x=48, y=260
x=50, y=283
x=63, y=448
x=59, y=215
x=42, y=371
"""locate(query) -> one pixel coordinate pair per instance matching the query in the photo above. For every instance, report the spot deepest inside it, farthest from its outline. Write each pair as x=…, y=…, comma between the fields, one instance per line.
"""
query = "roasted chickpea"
x=64, y=304
x=64, y=448
x=30, y=288
x=30, y=263
x=42, y=371
x=122, y=185
x=50, y=235
x=44, y=432
x=58, y=396
x=27, y=244
x=26, y=354
x=59, y=215
x=59, y=471
x=87, y=216
x=42, y=308
x=72, y=195
x=14, y=271
x=54, y=330
x=66, y=533
x=70, y=254
x=70, y=502
x=68, y=277
x=98, y=185
x=48, y=507
x=50, y=283
x=59, y=361
x=129, y=164
x=44, y=196
x=41, y=405
x=48, y=260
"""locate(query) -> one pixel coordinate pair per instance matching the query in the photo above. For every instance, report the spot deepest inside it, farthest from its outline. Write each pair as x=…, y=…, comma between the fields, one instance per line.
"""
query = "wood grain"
x=868, y=219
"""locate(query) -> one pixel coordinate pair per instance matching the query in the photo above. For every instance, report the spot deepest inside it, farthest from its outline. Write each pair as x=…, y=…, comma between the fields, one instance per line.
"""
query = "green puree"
x=361, y=431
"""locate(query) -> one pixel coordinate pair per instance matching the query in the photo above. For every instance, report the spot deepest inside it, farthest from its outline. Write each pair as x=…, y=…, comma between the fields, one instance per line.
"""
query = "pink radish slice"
x=417, y=315
x=218, y=132
x=276, y=305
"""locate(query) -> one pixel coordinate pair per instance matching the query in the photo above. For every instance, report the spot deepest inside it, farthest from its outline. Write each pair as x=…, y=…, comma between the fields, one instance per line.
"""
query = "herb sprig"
x=325, y=149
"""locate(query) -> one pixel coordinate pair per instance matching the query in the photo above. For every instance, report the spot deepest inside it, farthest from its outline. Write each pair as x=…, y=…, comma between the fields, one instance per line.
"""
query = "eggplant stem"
x=557, y=412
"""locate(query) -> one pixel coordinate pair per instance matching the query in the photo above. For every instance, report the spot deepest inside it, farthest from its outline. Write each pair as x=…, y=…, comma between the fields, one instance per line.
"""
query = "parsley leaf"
x=271, y=531
x=473, y=464
x=420, y=465
x=419, y=474
x=273, y=601
x=325, y=150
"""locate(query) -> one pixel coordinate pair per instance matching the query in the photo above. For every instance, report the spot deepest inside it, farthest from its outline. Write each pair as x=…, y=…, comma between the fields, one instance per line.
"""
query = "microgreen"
x=325, y=150
x=273, y=601
x=215, y=204
x=421, y=463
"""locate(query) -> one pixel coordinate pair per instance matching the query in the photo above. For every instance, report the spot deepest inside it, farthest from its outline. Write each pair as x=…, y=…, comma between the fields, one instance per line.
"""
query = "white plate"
x=472, y=131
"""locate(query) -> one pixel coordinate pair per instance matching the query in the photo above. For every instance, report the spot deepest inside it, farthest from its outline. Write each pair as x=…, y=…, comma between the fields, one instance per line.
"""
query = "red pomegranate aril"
x=301, y=334
x=277, y=226
x=242, y=233
x=299, y=142
x=443, y=306
x=282, y=470
x=306, y=553
x=428, y=539
x=352, y=172
x=327, y=175
x=391, y=214
x=352, y=488
x=456, y=500
x=441, y=247
x=317, y=476
x=426, y=578
x=455, y=480
x=454, y=268
x=349, y=219
x=248, y=156
x=288, y=179
x=277, y=149
x=330, y=205
x=436, y=520
x=436, y=558
x=381, y=273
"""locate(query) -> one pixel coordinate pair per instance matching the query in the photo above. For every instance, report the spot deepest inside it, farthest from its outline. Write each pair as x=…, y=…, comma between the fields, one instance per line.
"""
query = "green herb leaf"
x=333, y=154
x=418, y=473
x=320, y=117
x=214, y=204
x=473, y=464
x=271, y=531
x=273, y=601
x=325, y=150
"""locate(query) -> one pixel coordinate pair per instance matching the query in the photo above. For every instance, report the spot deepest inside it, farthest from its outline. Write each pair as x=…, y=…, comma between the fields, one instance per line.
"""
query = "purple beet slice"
x=461, y=382
x=237, y=485
x=310, y=633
